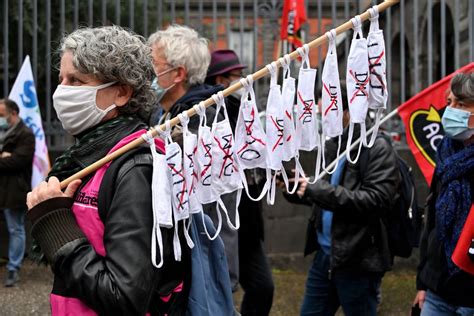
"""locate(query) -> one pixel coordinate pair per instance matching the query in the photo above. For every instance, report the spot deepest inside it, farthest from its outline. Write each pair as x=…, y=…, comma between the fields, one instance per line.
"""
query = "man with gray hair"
x=180, y=60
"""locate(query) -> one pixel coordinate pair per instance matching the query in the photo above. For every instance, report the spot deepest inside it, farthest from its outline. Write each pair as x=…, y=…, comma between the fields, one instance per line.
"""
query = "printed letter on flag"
x=24, y=94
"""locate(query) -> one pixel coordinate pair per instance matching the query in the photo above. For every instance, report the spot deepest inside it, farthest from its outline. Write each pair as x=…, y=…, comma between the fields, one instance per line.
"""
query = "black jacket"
x=194, y=95
x=457, y=289
x=124, y=282
x=15, y=170
x=359, y=205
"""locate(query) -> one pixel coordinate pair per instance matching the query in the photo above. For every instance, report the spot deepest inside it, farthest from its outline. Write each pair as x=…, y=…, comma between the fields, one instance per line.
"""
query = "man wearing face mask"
x=180, y=60
x=17, y=148
x=98, y=234
x=443, y=288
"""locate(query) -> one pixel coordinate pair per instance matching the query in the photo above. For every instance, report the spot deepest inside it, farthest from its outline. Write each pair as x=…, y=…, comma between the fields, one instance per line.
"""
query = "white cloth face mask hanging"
x=190, y=172
x=357, y=81
x=306, y=107
x=161, y=200
x=204, y=192
x=332, y=111
x=179, y=192
x=225, y=174
x=307, y=124
x=275, y=125
x=290, y=149
x=378, y=94
x=250, y=146
x=288, y=94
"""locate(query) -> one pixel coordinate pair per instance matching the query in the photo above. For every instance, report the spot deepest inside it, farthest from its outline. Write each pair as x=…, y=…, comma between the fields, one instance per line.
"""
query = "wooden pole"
x=231, y=89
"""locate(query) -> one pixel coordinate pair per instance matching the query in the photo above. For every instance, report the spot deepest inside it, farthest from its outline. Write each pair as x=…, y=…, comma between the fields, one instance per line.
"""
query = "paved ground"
x=30, y=296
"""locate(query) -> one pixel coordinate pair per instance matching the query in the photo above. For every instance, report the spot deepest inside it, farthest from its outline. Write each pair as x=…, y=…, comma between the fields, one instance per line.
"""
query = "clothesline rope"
x=226, y=92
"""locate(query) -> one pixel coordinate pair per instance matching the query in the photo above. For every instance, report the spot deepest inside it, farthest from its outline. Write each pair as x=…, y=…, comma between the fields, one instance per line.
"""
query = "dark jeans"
x=355, y=292
x=255, y=279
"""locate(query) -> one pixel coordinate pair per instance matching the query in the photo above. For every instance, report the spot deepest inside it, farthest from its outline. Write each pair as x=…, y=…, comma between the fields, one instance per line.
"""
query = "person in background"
x=97, y=234
x=255, y=275
x=348, y=228
x=17, y=148
x=225, y=70
x=180, y=60
x=444, y=289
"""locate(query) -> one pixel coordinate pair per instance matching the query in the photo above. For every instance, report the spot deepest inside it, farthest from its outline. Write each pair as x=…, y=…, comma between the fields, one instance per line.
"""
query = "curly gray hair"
x=182, y=46
x=111, y=53
x=462, y=86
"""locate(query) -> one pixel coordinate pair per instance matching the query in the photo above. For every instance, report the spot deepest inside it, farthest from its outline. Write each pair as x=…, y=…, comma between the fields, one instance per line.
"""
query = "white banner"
x=24, y=94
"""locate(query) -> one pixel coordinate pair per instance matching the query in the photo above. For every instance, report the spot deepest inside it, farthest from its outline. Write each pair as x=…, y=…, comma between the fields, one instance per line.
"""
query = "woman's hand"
x=48, y=190
x=420, y=299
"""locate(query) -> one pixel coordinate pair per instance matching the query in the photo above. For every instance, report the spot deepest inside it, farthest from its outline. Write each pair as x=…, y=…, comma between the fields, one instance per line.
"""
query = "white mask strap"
x=156, y=231
x=375, y=129
x=201, y=111
x=219, y=225
x=357, y=26
x=189, y=240
x=349, y=142
x=328, y=171
x=374, y=19
x=272, y=69
x=184, y=120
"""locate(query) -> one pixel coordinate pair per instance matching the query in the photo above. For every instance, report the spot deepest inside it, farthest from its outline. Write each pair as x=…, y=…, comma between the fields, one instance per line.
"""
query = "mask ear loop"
x=357, y=27
x=304, y=54
x=374, y=19
x=349, y=142
x=200, y=109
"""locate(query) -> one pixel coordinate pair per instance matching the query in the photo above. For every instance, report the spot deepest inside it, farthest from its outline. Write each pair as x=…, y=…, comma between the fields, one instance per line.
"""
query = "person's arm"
x=21, y=157
x=379, y=185
x=122, y=282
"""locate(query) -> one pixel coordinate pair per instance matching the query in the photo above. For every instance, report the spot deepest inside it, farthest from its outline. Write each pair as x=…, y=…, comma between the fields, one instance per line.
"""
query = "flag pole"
x=207, y=103
x=354, y=144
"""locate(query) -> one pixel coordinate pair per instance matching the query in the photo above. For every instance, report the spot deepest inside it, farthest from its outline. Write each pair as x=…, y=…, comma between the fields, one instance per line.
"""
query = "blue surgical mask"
x=159, y=90
x=3, y=123
x=455, y=123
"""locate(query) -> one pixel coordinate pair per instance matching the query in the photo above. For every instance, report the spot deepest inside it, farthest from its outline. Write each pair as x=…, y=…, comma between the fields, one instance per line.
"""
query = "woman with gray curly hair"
x=96, y=234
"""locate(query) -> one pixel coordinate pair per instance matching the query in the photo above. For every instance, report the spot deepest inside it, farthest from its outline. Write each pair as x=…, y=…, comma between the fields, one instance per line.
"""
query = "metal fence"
x=425, y=40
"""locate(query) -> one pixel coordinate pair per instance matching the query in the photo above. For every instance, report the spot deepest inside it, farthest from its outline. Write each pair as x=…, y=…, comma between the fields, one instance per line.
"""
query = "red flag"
x=294, y=15
x=422, y=118
x=460, y=255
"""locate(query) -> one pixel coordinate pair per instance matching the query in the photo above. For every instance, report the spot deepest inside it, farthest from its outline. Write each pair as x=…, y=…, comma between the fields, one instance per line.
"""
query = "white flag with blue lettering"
x=24, y=94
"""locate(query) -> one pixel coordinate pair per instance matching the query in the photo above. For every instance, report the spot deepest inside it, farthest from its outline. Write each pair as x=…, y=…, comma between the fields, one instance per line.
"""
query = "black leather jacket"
x=124, y=282
x=359, y=204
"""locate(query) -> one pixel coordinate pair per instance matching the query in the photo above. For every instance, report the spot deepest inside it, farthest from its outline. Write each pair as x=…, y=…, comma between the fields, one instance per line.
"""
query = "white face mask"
x=204, y=160
x=189, y=164
x=378, y=94
x=237, y=94
x=225, y=172
x=331, y=99
x=77, y=109
x=249, y=134
x=274, y=122
x=225, y=175
x=306, y=107
x=357, y=81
